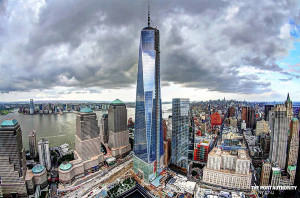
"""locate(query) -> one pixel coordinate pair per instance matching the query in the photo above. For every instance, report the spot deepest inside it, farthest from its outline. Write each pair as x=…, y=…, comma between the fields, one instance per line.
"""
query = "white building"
x=227, y=170
x=44, y=153
x=32, y=144
x=243, y=125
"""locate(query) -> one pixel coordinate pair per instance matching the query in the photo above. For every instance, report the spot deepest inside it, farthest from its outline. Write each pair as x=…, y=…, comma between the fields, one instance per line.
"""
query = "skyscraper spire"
x=148, y=15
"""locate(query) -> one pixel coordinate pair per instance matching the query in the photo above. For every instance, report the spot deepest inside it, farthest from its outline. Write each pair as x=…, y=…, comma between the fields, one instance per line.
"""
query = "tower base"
x=144, y=170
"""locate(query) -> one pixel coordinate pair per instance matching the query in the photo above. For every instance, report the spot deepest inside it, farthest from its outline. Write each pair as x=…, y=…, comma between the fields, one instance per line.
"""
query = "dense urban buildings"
x=210, y=128
x=148, y=137
x=117, y=126
x=32, y=144
x=44, y=153
x=180, y=132
x=12, y=160
x=81, y=142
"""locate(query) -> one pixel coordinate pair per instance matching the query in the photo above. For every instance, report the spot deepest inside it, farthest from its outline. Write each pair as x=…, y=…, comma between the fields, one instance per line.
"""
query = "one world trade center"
x=148, y=137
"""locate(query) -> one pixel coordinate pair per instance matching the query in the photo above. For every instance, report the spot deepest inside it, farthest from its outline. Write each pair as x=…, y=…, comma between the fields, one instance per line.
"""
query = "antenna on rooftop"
x=149, y=15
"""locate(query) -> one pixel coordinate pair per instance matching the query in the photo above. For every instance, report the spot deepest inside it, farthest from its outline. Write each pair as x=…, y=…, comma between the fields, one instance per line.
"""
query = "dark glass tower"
x=148, y=136
x=180, y=132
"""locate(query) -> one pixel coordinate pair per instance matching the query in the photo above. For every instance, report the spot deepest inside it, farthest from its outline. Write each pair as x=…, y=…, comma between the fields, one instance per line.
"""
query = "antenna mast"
x=149, y=15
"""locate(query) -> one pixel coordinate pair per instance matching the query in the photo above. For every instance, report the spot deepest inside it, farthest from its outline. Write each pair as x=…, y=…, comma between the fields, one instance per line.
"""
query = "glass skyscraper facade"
x=180, y=132
x=148, y=136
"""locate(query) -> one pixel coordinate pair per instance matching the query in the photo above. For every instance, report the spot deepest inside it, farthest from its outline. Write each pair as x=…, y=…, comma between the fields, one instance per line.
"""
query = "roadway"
x=85, y=188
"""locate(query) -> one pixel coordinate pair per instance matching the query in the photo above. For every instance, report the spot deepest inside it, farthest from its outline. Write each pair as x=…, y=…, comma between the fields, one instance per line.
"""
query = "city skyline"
x=210, y=50
x=229, y=68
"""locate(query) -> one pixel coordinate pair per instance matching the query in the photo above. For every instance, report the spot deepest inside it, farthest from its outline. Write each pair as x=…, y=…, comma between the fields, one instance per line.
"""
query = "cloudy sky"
x=210, y=49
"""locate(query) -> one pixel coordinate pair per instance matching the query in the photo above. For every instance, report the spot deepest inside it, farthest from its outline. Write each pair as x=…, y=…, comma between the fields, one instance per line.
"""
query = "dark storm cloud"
x=95, y=43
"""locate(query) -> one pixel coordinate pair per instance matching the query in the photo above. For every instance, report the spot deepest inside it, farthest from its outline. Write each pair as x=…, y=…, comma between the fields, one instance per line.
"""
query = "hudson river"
x=49, y=125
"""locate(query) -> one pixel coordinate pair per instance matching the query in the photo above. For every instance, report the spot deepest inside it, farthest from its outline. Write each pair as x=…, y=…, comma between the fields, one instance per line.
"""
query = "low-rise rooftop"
x=38, y=169
x=65, y=166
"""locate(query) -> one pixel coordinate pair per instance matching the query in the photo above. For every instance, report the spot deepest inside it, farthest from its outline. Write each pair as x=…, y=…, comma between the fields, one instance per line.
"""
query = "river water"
x=49, y=125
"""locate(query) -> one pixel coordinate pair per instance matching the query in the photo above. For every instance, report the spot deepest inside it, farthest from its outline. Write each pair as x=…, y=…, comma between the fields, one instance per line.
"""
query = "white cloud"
x=231, y=12
x=285, y=31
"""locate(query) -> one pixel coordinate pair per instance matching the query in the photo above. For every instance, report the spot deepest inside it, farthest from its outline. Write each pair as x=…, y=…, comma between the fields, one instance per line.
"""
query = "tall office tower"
x=231, y=112
x=293, y=142
x=291, y=170
x=32, y=144
x=167, y=144
x=117, y=126
x=31, y=107
x=265, y=140
x=297, y=177
x=265, y=173
x=289, y=107
x=279, y=125
x=252, y=119
x=12, y=160
x=191, y=137
x=148, y=136
x=166, y=152
x=267, y=109
x=104, y=128
x=169, y=134
x=276, y=175
x=87, y=138
x=262, y=127
x=44, y=153
x=245, y=111
x=248, y=114
x=165, y=130
x=180, y=132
